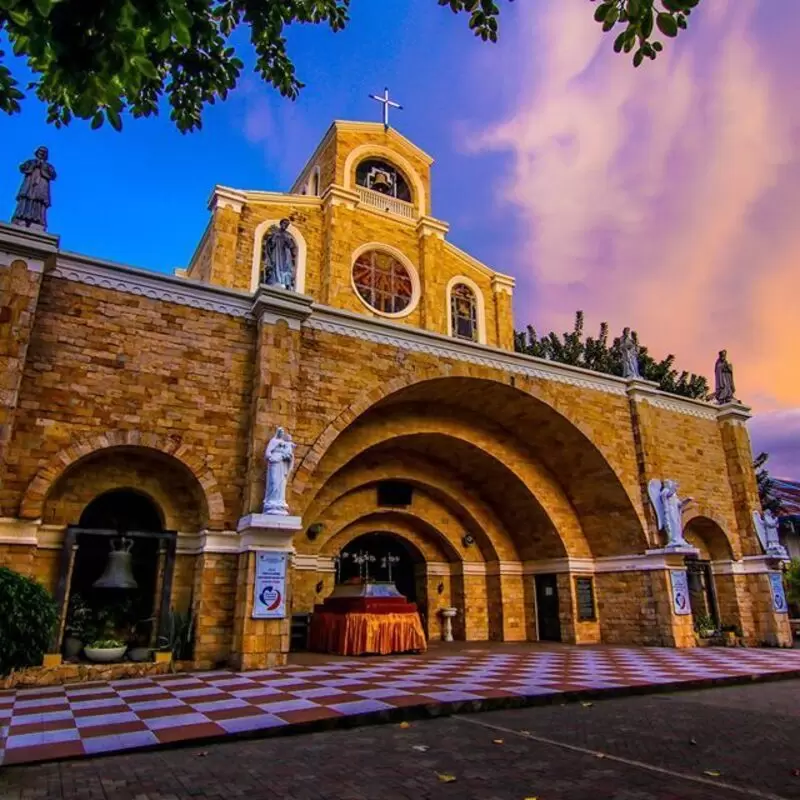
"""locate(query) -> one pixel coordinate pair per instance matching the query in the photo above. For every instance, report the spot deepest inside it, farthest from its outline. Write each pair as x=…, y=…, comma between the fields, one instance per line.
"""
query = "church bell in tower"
x=118, y=573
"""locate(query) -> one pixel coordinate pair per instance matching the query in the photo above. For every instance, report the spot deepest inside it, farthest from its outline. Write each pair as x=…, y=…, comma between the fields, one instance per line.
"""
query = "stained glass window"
x=464, y=311
x=382, y=282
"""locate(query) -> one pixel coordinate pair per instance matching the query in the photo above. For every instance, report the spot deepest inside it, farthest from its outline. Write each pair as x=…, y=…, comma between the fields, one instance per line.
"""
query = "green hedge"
x=28, y=616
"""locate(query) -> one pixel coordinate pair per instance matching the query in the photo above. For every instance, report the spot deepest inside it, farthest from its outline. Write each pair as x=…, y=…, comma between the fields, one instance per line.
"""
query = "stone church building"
x=510, y=488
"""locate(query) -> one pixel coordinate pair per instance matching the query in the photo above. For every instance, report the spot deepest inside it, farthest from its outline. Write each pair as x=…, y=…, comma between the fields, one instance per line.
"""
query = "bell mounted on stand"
x=118, y=573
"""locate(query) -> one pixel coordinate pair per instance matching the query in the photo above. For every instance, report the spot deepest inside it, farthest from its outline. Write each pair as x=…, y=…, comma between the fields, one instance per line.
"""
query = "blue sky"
x=139, y=197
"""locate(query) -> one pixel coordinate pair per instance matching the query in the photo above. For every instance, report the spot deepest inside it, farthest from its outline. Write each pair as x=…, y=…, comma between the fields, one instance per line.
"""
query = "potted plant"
x=77, y=626
x=139, y=640
x=732, y=634
x=705, y=626
x=104, y=651
x=177, y=641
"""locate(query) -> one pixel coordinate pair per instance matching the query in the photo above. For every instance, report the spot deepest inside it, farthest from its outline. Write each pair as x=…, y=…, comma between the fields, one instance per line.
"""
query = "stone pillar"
x=741, y=475
x=226, y=211
x=677, y=629
x=648, y=453
x=260, y=642
x=507, y=600
x=214, y=600
x=472, y=577
x=23, y=256
x=308, y=572
x=433, y=304
x=276, y=383
x=437, y=574
x=502, y=291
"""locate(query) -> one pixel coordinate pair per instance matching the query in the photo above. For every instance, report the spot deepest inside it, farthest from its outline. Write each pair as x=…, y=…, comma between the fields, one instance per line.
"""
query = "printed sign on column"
x=270, y=586
x=778, y=594
x=680, y=592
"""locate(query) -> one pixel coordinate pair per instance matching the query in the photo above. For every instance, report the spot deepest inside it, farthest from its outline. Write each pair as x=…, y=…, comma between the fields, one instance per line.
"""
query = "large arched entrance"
x=383, y=557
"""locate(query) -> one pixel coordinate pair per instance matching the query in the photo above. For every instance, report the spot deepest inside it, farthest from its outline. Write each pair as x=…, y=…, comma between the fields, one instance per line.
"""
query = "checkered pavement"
x=52, y=723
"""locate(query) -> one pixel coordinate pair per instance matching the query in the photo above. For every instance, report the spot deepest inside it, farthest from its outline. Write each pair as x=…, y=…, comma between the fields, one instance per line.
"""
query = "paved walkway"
x=87, y=719
x=730, y=743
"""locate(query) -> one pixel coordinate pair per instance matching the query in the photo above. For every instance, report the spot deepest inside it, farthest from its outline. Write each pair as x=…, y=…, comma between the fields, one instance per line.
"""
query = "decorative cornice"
x=167, y=288
x=479, y=265
x=377, y=127
x=345, y=323
x=429, y=226
x=504, y=568
x=225, y=197
x=432, y=568
x=31, y=533
x=468, y=568
x=32, y=247
x=272, y=304
x=503, y=284
x=313, y=562
x=336, y=195
x=648, y=392
x=733, y=412
x=749, y=565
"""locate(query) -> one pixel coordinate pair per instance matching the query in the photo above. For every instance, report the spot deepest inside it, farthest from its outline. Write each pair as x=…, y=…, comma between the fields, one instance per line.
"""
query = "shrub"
x=28, y=616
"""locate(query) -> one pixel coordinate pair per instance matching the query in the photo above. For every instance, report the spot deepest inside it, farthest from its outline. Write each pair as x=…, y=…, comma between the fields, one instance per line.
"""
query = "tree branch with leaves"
x=101, y=60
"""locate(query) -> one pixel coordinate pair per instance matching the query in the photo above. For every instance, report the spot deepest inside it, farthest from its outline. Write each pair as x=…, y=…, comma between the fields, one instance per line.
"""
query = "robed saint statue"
x=33, y=198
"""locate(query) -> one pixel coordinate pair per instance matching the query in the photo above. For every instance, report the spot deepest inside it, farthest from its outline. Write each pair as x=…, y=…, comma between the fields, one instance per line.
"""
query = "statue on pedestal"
x=669, y=510
x=280, y=460
x=630, y=355
x=723, y=379
x=279, y=257
x=767, y=529
x=33, y=198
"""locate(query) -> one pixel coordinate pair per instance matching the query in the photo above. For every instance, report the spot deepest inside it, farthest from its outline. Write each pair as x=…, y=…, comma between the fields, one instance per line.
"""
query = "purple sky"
x=665, y=198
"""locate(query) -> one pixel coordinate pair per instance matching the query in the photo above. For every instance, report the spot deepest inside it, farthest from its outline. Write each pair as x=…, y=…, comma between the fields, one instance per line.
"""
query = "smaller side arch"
x=366, y=150
x=702, y=522
x=258, y=242
x=479, y=301
x=36, y=493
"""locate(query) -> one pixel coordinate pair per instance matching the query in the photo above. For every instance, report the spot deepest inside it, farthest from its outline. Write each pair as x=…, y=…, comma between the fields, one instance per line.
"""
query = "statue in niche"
x=279, y=456
x=630, y=355
x=669, y=510
x=767, y=529
x=33, y=198
x=279, y=257
x=723, y=378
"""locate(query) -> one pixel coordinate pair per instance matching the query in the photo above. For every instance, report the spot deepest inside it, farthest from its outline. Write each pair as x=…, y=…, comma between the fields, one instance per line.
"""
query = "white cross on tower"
x=387, y=103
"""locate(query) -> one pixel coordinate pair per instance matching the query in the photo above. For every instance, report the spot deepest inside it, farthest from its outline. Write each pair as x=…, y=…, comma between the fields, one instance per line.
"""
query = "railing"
x=389, y=204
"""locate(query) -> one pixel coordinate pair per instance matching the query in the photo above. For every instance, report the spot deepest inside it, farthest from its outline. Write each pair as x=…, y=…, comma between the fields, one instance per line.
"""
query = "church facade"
x=512, y=489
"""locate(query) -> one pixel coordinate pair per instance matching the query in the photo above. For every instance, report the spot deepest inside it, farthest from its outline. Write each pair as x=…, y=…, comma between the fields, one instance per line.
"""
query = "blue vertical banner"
x=269, y=601
x=680, y=592
x=778, y=594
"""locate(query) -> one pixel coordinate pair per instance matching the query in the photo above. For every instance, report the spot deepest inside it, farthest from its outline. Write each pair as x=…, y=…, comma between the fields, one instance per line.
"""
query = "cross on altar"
x=387, y=104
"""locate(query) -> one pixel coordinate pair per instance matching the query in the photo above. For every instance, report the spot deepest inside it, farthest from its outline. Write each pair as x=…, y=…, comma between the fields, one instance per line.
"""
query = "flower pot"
x=104, y=655
x=730, y=638
x=139, y=653
x=72, y=647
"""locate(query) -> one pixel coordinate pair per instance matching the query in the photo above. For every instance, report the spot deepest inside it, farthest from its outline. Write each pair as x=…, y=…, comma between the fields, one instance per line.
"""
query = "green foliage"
x=106, y=644
x=766, y=486
x=791, y=579
x=596, y=354
x=179, y=636
x=28, y=616
x=101, y=60
x=638, y=18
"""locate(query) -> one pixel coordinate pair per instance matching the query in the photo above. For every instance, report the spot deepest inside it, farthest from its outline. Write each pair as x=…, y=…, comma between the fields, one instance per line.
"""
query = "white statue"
x=669, y=510
x=280, y=460
x=767, y=530
x=629, y=351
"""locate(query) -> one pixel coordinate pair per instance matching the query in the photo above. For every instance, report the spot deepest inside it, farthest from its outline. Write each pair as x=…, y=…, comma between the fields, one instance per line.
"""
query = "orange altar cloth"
x=356, y=633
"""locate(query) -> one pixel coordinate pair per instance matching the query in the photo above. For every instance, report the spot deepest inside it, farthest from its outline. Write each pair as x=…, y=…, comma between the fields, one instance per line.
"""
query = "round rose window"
x=382, y=282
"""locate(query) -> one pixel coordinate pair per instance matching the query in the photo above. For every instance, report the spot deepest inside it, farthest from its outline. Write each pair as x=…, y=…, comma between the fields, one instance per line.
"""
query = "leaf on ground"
x=498, y=741
x=445, y=777
x=587, y=705
x=692, y=741
x=714, y=773
x=525, y=733
x=796, y=773
x=202, y=753
x=405, y=724
x=422, y=748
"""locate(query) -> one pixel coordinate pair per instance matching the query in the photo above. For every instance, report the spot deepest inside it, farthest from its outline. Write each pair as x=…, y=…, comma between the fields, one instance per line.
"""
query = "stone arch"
x=364, y=151
x=40, y=486
x=704, y=529
x=609, y=511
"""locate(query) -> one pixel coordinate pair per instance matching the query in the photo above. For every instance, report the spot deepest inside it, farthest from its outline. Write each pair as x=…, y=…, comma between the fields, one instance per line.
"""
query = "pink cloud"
x=663, y=197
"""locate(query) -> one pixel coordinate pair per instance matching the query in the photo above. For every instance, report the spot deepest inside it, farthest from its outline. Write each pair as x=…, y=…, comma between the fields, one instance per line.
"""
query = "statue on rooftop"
x=630, y=355
x=33, y=198
x=723, y=378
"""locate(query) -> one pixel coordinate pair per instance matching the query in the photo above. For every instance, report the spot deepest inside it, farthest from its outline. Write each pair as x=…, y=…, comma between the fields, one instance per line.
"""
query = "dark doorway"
x=547, y=608
x=702, y=597
x=381, y=546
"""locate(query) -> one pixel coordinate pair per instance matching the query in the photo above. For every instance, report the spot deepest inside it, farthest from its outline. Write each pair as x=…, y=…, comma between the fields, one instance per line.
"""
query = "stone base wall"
x=626, y=609
x=78, y=673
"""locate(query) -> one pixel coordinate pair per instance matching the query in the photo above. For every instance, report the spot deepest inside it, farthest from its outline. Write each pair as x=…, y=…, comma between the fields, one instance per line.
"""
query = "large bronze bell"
x=118, y=573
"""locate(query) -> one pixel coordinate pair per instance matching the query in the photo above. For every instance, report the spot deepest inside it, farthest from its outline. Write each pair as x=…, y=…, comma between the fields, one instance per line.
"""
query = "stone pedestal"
x=262, y=642
x=447, y=615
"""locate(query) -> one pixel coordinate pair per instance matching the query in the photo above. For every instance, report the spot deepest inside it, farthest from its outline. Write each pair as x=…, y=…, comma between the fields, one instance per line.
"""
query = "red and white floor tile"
x=86, y=719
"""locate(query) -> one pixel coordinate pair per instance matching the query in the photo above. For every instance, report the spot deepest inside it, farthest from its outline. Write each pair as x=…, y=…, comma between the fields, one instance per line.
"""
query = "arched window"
x=464, y=312
x=383, y=282
x=381, y=176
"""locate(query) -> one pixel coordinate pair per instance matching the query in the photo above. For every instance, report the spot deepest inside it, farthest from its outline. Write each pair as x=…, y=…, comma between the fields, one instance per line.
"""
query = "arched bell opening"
x=382, y=557
x=116, y=577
